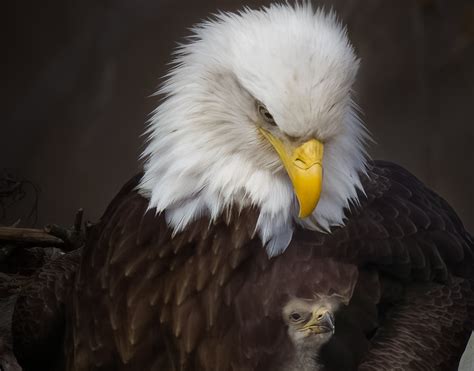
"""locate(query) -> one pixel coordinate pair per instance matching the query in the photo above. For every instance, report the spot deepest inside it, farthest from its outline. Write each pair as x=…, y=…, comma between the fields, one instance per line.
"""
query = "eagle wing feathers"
x=210, y=298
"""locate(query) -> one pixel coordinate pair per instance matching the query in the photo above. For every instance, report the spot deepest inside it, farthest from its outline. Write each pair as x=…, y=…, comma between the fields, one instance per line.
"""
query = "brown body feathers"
x=209, y=298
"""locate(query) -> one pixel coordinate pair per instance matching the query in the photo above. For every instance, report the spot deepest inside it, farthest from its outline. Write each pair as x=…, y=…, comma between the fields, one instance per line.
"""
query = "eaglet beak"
x=304, y=167
x=320, y=323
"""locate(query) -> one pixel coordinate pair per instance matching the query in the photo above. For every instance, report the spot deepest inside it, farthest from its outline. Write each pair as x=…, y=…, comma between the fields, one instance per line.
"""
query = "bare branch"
x=29, y=236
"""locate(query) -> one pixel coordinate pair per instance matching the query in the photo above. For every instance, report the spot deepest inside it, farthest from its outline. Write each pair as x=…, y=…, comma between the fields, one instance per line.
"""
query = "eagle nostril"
x=300, y=163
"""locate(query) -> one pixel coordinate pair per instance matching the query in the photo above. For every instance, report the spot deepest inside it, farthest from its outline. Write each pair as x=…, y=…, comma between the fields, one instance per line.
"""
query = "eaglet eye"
x=295, y=316
x=267, y=117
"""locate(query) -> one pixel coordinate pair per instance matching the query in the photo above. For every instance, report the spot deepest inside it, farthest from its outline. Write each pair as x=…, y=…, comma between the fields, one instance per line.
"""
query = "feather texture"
x=210, y=298
x=205, y=155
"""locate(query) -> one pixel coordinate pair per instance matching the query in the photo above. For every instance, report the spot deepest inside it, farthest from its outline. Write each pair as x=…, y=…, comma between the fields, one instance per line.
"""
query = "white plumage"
x=205, y=154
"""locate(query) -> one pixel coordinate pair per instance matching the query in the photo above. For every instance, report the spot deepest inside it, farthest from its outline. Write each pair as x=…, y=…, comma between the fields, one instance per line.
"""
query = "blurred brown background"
x=77, y=76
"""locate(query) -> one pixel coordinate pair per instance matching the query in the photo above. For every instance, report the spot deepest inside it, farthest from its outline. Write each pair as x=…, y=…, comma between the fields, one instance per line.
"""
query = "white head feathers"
x=205, y=154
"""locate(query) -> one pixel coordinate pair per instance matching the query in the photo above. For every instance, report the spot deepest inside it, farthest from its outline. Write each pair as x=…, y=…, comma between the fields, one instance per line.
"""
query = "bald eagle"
x=258, y=193
x=310, y=325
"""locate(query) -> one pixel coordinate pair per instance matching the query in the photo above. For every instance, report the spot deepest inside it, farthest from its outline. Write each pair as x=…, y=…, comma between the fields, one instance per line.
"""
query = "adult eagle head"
x=259, y=112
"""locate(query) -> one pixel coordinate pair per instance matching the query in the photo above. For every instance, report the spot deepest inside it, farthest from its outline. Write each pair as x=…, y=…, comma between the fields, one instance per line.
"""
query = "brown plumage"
x=39, y=315
x=209, y=298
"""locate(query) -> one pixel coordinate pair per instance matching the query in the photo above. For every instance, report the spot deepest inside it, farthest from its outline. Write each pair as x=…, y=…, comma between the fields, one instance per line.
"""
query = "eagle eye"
x=267, y=116
x=295, y=316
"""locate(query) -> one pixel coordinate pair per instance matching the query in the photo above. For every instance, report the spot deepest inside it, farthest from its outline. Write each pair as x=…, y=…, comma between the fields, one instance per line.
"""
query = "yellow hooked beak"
x=304, y=167
x=320, y=323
